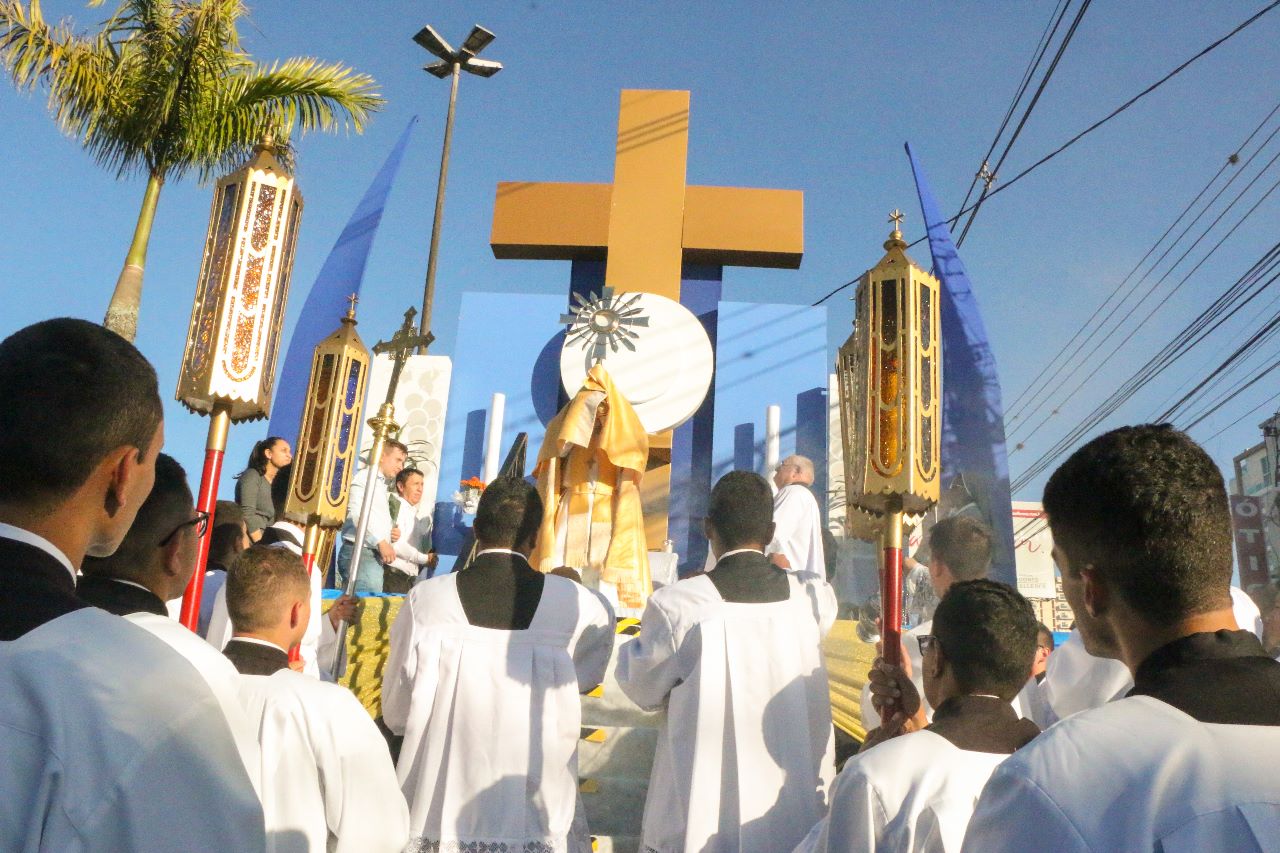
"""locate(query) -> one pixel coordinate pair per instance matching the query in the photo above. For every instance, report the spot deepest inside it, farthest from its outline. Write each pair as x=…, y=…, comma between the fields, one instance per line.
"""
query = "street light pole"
x=429, y=294
x=452, y=63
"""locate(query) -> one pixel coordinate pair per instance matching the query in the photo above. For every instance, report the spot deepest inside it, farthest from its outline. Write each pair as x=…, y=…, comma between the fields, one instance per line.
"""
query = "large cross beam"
x=646, y=226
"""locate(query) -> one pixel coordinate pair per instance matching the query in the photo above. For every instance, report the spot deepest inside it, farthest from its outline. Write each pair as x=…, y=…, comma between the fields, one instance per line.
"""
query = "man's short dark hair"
x=1147, y=508
x=988, y=634
x=1044, y=637
x=165, y=509
x=260, y=582
x=963, y=544
x=73, y=392
x=393, y=444
x=227, y=535
x=405, y=474
x=741, y=509
x=509, y=513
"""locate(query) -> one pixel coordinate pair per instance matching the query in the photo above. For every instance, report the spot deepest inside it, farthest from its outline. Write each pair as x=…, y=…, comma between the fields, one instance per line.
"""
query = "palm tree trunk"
x=122, y=312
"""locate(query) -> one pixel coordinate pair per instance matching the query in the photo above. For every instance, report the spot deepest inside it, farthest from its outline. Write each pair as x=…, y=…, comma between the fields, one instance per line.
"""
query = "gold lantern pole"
x=327, y=436
x=889, y=371
x=402, y=343
x=228, y=365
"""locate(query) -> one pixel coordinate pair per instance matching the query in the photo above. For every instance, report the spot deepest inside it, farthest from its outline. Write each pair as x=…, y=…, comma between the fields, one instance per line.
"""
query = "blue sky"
x=811, y=96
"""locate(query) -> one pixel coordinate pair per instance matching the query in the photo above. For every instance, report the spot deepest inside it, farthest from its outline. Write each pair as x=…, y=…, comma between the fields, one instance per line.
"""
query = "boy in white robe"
x=959, y=550
x=914, y=793
x=745, y=754
x=107, y=736
x=1187, y=761
x=484, y=680
x=328, y=781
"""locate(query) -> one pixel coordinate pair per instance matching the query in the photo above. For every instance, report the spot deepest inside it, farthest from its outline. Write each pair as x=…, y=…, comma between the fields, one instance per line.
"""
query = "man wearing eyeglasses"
x=157, y=557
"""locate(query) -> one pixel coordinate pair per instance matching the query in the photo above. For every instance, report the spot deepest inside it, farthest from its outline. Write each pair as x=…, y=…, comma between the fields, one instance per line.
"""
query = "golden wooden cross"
x=646, y=225
x=648, y=222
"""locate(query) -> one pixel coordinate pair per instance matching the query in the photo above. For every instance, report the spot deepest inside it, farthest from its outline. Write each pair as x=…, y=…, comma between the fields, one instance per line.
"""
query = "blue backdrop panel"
x=502, y=347
x=770, y=355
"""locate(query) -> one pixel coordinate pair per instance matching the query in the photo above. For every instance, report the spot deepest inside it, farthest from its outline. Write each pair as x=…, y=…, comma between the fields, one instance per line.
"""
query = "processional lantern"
x=228, y=365
x=889, y=372
x=325, y=456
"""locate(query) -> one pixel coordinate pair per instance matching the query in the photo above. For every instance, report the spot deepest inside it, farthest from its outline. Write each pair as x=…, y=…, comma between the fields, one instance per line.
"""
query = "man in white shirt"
x=414, y=555
x=734, y=657
x=484, y=680
x=797, y=537
x=328, y=781
x=378, y=547
x=959, y=550
x=107, y=736
x=914, y=793
x=1187, y=761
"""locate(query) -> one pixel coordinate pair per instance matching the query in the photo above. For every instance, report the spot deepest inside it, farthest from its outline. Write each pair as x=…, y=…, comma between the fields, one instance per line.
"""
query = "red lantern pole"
x=206, y=501
x=891, y=589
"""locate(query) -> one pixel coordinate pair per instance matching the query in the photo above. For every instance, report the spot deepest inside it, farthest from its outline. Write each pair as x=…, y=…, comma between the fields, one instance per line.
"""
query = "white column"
x=493, y=438
x=772, y=438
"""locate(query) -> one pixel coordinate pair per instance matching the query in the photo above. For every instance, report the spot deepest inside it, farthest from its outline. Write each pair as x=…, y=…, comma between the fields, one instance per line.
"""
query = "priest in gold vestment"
x=588, y=473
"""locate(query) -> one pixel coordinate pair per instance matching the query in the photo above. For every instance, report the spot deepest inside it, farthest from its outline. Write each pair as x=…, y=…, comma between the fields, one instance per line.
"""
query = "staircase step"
x=614, y=807
x=615, y=844
x=620, y=752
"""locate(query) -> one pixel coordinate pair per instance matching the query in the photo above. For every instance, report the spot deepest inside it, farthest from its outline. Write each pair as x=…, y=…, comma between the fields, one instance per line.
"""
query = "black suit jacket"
x=500, y=591
x=37, y=589
x=255, y=658
x=119, y=598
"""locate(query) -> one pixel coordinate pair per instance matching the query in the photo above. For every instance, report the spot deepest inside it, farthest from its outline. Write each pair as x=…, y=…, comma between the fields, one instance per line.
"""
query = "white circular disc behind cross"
x=663, y=368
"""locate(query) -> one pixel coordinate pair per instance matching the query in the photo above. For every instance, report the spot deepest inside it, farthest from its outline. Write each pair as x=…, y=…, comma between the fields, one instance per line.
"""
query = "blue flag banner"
x=341, y=276
x=975, y=465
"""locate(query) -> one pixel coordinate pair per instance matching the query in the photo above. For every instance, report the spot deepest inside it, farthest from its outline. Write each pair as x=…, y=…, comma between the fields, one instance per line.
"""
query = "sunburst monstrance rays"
x=603, y=322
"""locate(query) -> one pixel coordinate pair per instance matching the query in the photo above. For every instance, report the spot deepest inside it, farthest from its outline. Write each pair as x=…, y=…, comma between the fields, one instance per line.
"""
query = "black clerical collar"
x=745, y=576
x=37, y=588
x=982, y=724
x=252, y=656
x=1216, y=677
x=120, y=597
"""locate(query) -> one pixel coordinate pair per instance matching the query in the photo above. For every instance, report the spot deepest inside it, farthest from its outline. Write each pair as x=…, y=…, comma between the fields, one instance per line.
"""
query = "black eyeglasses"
x=926, y=641
x=200, y=522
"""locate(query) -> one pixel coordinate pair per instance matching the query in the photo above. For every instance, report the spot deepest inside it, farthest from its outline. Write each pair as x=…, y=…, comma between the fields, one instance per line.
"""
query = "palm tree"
x=164, y=88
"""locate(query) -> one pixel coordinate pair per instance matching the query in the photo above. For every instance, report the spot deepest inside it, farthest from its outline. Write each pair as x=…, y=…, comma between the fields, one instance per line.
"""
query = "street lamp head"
x=431, y=40
x=482, y=67
x=477, y=40
x=439, y=69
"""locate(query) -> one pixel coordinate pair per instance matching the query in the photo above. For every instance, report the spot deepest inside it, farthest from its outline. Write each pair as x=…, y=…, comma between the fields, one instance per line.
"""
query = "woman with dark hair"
x=253, y=484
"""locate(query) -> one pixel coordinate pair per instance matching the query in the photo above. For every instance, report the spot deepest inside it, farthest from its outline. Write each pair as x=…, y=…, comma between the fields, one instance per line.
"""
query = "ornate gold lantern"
x=229, y=364
x=234, y=335
x=327, y=437
x=889, y=386
x=889, y=372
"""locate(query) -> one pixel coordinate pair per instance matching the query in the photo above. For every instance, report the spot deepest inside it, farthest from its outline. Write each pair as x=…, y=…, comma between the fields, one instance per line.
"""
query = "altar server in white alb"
x=109, y=739
x=1187, y=761
x=914, y=793
x=484, y=680
x=745, y=753
x=797, y=535
x=328, y=781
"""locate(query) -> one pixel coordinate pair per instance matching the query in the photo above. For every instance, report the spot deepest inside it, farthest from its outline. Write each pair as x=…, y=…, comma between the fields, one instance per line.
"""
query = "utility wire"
x=1026, y=114
x=1091, y=128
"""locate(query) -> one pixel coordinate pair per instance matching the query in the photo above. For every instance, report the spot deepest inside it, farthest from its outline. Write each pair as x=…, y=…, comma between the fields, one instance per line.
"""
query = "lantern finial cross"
x=896, y=218
x=351, y=311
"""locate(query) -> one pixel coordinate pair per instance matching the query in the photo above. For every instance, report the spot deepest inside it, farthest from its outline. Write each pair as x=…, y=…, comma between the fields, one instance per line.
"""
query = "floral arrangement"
x=469, y=496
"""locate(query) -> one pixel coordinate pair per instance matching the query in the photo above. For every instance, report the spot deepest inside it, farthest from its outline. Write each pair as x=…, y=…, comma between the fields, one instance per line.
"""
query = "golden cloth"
x=588, y=472
x=848, y=662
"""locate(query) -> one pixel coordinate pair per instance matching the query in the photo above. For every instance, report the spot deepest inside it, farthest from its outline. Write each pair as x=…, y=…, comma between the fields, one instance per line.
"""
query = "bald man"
x=797, y=541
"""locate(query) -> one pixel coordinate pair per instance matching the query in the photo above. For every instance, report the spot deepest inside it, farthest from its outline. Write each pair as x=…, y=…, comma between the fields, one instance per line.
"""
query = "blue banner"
x=341, y=276
x=975, y=465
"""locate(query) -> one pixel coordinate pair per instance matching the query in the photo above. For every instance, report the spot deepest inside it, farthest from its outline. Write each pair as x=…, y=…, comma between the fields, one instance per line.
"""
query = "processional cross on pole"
x=402, y=344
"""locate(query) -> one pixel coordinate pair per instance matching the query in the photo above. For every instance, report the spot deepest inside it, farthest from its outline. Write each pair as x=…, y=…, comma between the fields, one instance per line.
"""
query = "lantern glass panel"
x=266, y=203
x=926, y=321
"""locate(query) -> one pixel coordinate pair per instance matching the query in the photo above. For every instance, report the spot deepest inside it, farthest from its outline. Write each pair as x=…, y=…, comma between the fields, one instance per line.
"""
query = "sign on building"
x=1251, y=541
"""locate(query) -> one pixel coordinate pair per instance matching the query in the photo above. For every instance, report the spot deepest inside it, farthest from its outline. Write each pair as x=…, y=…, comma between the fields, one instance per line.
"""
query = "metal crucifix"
x=402, y=343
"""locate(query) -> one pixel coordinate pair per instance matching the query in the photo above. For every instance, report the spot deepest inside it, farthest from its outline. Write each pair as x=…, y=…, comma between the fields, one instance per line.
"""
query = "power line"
x=1017, y=131
x=1091, y=128
x=1273, y=398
